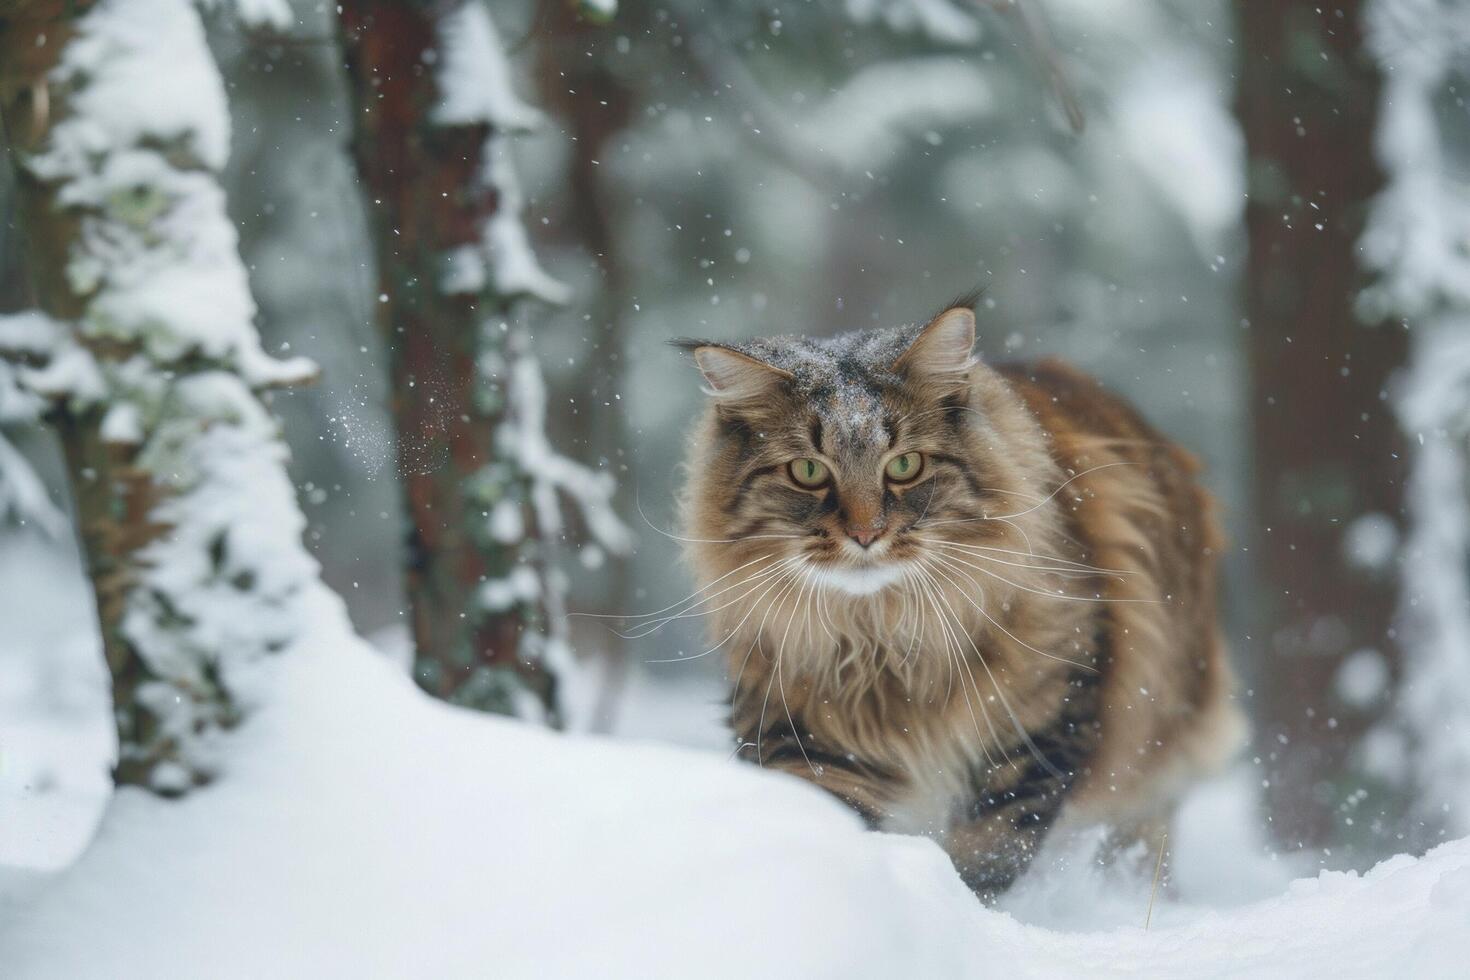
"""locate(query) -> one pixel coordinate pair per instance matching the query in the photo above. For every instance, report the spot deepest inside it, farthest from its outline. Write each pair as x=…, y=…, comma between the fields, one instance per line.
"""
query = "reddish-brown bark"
x=425, y=193
x=1327, y=449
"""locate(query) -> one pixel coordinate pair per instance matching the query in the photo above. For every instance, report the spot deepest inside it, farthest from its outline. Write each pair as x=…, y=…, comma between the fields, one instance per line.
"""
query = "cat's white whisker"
x=645, y=629
x=1031, y=566
x=982, y=554
x=956, y=652
x=783, y=582
x=781, y=682
x=812, y=613
x=914, y=634
x=1060, y=596
x=824, y=616
x=1039, y=504
x=921, y=625
x=786, y=582
x=1055, y=559
x=1015, y=719
x=1066, y=483
x=1025, y=538
x=769, y=585
x=673, y=605
x=993, y=622
x=776, y=673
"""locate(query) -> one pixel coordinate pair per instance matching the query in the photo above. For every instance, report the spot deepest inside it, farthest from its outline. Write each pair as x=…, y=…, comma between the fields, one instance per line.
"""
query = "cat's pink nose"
x=865, y=535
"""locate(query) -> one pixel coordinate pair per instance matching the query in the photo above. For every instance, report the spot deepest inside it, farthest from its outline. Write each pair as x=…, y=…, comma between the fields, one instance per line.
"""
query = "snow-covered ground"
x=56, y=738
x=366, y=830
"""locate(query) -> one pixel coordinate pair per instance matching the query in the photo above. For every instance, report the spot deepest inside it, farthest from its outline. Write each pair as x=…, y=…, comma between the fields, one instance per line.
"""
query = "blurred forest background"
x=1249, y=219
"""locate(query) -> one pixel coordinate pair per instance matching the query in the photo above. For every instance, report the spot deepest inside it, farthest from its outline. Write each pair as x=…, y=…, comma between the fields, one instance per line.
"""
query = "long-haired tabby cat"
x=956, y=596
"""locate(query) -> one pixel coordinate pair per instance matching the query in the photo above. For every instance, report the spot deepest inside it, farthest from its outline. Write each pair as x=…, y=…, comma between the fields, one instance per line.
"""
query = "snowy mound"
x=365, y=830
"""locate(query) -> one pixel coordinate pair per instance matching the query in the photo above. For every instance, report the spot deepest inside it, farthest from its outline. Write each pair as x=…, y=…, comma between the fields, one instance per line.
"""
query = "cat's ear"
x=732, y=375
x=944, y=348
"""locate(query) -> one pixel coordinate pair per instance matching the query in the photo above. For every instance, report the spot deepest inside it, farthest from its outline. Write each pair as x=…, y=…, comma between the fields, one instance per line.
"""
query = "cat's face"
x=852, y=455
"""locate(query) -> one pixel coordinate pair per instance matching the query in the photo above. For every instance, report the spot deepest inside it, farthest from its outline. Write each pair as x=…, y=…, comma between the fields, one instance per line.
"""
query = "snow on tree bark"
x=148, y=364
x=1418, y=244
x=483, y=488
x=1327, y=448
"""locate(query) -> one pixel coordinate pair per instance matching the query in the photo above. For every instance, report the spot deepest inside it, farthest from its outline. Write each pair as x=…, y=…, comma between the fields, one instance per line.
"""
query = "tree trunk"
x=1327, y=450
x=148, y=361
x=433, y=108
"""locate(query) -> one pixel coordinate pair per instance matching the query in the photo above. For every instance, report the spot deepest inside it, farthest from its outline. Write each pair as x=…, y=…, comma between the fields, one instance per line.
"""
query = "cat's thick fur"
x=1033, y=626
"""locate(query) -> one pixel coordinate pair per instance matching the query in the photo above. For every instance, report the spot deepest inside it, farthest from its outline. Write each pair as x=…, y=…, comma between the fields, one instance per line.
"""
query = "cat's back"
x=1105, y=446
x=1075, y=407
x=1135, y=503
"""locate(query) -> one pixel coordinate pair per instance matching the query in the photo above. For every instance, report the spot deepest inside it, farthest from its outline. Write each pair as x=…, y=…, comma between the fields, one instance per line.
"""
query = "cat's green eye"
x=808, y=472
x=902, y=469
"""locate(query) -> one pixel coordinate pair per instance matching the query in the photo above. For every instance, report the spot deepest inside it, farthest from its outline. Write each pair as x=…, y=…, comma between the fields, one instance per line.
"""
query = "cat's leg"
x=866, y=787
x=1141, y=842
x=1005, y=824
x=1014, y=803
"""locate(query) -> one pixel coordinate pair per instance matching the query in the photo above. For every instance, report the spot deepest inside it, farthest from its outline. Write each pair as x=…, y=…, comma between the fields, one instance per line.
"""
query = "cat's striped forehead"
x=846, y=380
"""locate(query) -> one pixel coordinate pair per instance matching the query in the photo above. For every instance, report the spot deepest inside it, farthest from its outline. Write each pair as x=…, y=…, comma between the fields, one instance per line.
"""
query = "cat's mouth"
x=860, y=579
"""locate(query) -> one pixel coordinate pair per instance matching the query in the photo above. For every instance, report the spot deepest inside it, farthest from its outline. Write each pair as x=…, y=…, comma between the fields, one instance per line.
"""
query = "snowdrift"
x=366, y=830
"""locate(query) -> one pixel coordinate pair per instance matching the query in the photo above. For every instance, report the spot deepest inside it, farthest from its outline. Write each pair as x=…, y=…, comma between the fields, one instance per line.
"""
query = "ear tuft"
x=944, y=347
x=735, y=376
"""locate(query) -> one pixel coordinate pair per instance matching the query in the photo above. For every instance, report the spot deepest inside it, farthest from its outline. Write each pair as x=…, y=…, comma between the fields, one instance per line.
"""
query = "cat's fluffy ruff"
x=992, y=678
